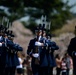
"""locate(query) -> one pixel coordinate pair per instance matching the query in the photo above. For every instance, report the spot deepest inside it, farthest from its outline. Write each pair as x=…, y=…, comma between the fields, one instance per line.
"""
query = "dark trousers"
x=2, y=70
x=58, y=70
x=43, y=71
x=67, y=71
x=74, y=71
x=2, y=65
x=74, y=66
x=35, y=69
x=50, y=70
x=10, y=71
x=6, y=71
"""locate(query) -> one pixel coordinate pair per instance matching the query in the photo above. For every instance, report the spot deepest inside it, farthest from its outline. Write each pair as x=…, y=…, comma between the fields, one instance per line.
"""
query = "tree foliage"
x=56, y=10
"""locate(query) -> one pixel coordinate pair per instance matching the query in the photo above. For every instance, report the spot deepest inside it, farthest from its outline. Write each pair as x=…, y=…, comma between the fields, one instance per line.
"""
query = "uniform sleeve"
x=14, y=46
x=10, y=44
x=29, y=49
x=18, y=47
x=71, y=48
x=54, y=46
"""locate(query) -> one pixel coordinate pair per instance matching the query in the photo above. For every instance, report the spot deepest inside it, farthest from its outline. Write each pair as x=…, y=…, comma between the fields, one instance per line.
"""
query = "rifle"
x=42, y=26
x=37, y=60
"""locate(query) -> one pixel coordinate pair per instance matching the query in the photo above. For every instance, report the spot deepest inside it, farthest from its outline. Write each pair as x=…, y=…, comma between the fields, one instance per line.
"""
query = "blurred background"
x=25, y=16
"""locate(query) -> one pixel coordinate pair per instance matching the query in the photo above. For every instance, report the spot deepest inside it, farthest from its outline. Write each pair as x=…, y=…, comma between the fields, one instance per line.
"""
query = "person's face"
x=40, y=33
x=67, y=55
x=44, y=34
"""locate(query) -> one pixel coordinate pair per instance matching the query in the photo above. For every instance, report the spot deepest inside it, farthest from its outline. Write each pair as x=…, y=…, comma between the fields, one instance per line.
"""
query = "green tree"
x=56, y=10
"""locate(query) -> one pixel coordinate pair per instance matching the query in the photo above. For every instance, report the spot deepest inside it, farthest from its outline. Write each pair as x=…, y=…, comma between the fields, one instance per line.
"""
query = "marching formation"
x=8, y=51
x=41, y=50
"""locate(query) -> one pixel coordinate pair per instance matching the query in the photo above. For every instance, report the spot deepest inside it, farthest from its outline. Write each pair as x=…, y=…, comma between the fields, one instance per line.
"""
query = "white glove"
x=38, y=44
x=0, y=44
x=36, y=55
